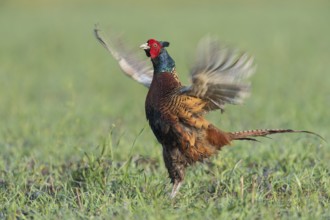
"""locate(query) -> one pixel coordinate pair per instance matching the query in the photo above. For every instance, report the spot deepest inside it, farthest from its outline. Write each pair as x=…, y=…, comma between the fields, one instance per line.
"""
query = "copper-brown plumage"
x=176, y=112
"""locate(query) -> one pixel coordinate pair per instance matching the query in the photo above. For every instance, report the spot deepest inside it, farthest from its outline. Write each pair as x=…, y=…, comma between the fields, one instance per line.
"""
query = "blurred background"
x=62, y=94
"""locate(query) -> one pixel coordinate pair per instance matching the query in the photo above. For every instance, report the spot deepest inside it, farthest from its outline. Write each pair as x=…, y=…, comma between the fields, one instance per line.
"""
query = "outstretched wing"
x=218, y=75
x=128, y=60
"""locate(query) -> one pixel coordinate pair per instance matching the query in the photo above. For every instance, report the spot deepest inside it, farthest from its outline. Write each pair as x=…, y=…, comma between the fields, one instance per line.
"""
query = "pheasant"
x=176, y=112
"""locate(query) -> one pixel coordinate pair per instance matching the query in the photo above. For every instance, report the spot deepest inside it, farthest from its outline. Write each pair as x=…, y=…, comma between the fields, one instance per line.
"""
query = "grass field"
x=74, y=140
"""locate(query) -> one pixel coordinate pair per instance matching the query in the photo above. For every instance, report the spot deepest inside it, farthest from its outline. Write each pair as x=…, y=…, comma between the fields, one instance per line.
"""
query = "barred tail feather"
x=247, y=135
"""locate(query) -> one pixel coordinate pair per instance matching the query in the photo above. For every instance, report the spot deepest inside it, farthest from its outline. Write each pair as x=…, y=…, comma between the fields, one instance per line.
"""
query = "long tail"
x=248, y=135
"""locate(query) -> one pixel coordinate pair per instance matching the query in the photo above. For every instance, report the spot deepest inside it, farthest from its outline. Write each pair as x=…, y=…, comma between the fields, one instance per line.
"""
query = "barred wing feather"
x=218, y=75
x=128, y=60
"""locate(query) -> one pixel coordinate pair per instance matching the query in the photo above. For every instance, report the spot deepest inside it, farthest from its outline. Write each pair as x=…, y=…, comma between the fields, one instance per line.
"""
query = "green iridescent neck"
x=163, y=63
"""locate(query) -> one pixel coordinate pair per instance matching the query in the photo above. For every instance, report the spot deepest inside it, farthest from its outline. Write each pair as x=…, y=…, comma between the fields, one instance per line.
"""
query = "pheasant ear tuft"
x=165, y=43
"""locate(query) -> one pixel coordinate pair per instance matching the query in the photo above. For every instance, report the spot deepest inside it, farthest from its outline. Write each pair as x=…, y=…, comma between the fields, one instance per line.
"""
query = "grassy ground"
x=74, y=141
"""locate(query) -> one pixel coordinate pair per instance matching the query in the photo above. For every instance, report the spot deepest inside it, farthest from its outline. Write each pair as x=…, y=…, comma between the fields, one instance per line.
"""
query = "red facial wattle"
x=155, y=48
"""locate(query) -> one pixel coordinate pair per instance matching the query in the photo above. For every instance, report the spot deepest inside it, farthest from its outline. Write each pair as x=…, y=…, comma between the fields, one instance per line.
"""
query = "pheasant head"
x=161, y=60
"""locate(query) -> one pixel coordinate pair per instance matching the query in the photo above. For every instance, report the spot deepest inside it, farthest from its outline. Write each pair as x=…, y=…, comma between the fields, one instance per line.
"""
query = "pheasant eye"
x=155, y=45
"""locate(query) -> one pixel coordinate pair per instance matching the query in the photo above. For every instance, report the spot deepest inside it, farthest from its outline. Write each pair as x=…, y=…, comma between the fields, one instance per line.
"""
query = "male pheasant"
x=176, y=112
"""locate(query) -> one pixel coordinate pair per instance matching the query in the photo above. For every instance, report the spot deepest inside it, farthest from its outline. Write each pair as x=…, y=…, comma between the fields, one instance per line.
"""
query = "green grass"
x=74, y=141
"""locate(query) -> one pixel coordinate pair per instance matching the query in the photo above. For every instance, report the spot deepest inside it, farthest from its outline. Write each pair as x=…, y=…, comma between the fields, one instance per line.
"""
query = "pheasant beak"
x=145, y=46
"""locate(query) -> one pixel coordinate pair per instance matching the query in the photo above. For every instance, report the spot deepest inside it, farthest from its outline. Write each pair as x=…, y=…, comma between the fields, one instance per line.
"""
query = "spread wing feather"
x=218, y=75
x=128, y=60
